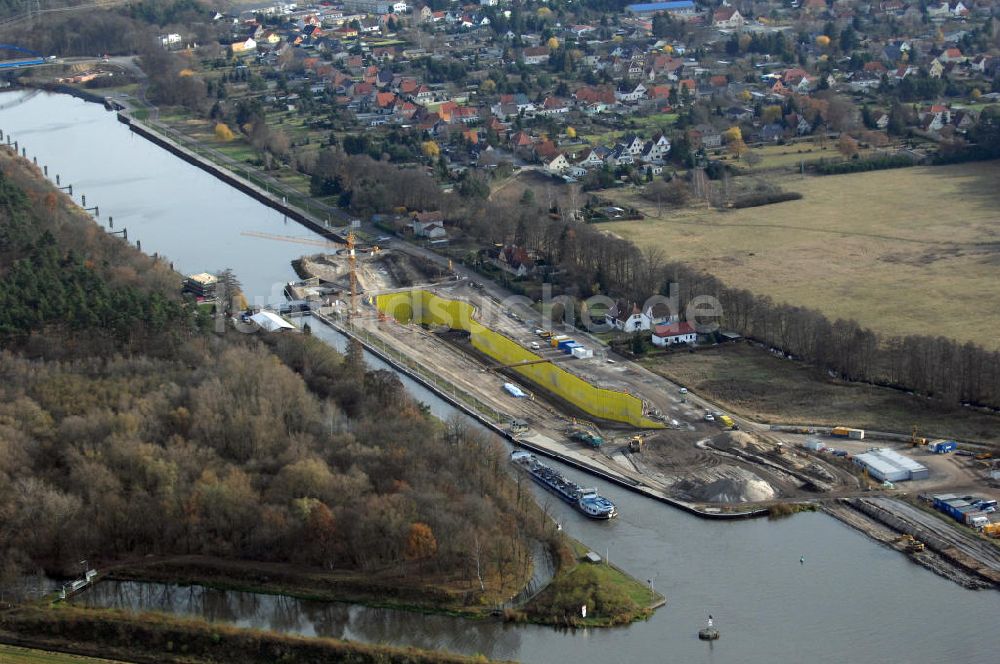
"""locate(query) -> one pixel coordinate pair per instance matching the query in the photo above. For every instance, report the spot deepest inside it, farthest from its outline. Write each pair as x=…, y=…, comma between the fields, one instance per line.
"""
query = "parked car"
x=684, y=390
x=709, y=417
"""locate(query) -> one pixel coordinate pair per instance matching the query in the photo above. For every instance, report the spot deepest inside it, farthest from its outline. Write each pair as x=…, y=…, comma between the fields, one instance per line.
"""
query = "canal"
x=851, y=600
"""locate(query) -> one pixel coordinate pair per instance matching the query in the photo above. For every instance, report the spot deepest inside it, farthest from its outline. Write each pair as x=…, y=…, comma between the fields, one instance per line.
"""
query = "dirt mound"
x=733, y=485
x=738, y=439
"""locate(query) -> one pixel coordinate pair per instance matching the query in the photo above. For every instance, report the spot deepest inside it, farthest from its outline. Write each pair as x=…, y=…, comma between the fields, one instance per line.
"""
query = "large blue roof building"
x=682, y=7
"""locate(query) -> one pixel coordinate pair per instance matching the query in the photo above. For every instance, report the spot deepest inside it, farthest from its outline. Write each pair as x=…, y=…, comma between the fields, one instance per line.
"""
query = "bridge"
x=35, y=58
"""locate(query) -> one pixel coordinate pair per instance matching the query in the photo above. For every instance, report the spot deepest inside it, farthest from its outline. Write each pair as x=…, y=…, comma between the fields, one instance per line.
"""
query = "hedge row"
x=756, y=200
x=863, y=165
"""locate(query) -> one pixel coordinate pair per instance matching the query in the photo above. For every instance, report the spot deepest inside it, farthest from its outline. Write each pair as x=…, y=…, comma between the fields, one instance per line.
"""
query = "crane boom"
x=292, y=238
x=352, y=262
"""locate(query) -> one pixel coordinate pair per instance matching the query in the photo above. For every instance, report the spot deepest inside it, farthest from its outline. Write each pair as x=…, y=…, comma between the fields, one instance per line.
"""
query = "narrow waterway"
x=851, y=601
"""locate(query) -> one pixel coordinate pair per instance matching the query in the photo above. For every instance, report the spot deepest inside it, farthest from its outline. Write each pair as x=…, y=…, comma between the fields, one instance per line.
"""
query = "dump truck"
x=587, y=438
x=727, y=421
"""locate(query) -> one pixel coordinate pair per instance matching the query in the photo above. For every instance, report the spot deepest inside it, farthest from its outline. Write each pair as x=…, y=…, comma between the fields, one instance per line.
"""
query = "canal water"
x=850, y=601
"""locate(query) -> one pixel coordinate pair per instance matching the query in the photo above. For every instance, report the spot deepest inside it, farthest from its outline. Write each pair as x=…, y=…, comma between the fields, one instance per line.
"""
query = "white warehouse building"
x=891, y=466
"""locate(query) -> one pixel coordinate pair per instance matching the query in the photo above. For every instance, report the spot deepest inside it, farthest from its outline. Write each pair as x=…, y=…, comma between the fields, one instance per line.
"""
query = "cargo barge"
x=586, y=501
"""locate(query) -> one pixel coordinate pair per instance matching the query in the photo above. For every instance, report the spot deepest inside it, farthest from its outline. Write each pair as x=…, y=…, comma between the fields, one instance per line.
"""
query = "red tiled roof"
x=674, y=329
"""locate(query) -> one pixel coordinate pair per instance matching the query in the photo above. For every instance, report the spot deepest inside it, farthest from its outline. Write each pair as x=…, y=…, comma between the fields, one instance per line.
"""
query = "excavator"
x=635, y=444
x=916, y=441
x=911, y=544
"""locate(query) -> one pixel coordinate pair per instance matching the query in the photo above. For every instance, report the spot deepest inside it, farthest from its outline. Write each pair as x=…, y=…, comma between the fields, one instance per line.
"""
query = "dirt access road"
x=985, y=552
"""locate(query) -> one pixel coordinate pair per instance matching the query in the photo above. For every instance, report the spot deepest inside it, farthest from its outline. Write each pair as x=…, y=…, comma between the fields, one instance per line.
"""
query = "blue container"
x=564, y=343
x=944, y=446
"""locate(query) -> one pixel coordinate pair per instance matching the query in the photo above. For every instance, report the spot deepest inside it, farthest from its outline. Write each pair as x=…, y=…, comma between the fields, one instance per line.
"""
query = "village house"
x=674, y=333
x=557, y=165
x=514, y=260
x=537, y=55
x=951, y=55
x=628, y=92
x=656, y=150
x=590, y=159
x=727, y=18
x=428, y=224
x=244, y=47
x=628, y=319
x=620, y=156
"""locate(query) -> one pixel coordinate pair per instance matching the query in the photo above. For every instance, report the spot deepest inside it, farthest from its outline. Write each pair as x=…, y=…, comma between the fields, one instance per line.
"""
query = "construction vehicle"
x=982, y=456
x=910, y=543
x=586, y=437
x=635, y=444
x=915, y=440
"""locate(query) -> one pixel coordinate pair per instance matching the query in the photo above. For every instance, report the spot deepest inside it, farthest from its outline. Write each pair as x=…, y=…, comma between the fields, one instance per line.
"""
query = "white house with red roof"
x=675, y=333
x=628, y=319
x=951, y=55
x=727, y=18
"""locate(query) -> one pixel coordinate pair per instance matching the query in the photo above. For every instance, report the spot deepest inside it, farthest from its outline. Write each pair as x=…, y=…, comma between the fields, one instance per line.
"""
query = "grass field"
x=752, y=382
x=905, y=251
x=16, y=655
x=784, y=156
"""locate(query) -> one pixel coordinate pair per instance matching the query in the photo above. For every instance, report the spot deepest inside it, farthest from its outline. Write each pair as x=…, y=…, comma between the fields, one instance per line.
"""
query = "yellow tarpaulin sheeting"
x=426, y=308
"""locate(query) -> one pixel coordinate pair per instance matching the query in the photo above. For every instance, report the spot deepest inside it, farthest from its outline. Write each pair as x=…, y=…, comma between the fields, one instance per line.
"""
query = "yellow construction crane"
x=293, y=239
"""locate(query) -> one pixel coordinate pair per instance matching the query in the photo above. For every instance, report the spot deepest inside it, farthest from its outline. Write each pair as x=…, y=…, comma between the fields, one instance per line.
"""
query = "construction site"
x=604, y=414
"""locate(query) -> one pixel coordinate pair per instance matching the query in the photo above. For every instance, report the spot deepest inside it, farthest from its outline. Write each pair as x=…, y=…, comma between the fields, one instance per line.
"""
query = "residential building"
x=675, y=333
x=627, y=319
x=557, y=164
x=370, y=6
x=537, y=55
x=727, y=18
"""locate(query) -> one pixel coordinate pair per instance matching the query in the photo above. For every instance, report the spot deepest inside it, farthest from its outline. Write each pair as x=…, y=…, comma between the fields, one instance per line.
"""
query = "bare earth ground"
x=751, y=381
x=905, y=251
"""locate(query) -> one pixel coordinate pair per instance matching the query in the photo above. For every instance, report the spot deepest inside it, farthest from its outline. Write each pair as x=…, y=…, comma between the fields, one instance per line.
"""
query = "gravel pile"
x=734, y=485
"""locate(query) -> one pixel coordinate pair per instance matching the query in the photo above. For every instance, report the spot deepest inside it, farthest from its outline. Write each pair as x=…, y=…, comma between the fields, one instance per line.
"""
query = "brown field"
x=548, y=190
x=752, y=382
x=906, y=251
